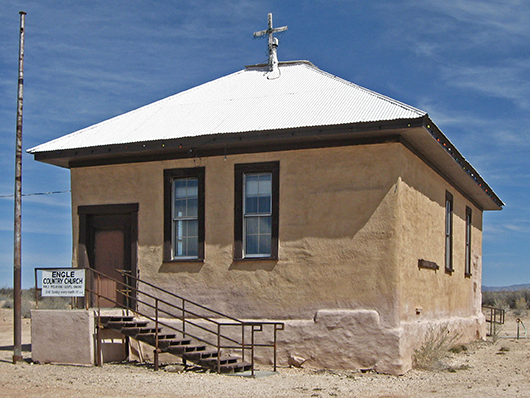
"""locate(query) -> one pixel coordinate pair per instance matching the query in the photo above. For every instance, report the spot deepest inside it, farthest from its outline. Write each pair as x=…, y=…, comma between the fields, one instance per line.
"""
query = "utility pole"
x=17, y=258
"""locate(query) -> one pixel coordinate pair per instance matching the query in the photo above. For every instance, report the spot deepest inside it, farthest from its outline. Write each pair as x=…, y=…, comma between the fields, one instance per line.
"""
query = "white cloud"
x=509, y=17
x=518, y=228
x=478, y=45
x=503, y=81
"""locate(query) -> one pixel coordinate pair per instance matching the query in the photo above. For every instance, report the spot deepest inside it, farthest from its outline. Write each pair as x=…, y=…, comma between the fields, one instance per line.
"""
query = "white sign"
x=63, y=282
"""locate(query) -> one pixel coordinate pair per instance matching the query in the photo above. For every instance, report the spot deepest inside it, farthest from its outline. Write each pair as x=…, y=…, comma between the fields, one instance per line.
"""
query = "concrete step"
x=235, y=367
x=211, y=362
x=191, y=352
x=120, y=325
x=105, y=319
x=138, y=332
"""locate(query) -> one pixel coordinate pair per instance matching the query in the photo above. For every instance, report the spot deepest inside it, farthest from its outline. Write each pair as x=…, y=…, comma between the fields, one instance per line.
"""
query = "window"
x=184, y=214
x=256, y=210
x=448, y=232
x=468, y=241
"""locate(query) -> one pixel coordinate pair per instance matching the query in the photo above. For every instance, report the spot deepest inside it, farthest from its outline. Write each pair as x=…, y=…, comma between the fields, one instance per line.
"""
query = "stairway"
x=189, y=350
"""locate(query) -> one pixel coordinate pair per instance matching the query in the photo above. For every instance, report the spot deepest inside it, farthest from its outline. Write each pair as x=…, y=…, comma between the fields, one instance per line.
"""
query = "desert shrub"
x=26, y=308
x=28, y=294
x=7, y=304
x=520, y=306
x=28, y=301
x=55, y=303
x=434, y=349
x=457, y=349
x=507, y=299
x=6, y=293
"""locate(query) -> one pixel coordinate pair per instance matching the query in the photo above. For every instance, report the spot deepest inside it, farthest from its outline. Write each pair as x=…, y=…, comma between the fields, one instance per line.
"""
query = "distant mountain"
x=508, y=288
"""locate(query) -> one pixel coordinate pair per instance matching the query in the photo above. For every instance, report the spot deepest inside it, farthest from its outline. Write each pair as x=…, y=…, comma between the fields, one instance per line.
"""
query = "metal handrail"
x=496, y=317
x=131, y=293
x=182, y=298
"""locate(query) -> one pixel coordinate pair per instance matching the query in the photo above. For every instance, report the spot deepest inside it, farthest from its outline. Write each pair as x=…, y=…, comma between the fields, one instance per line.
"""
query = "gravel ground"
x=498, y=368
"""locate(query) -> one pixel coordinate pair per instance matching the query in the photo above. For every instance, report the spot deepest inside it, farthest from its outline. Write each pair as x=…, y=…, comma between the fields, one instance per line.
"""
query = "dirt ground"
x=499, y=368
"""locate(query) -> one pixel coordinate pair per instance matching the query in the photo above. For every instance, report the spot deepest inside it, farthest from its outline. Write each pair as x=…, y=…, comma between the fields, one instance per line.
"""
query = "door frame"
x=85, y=213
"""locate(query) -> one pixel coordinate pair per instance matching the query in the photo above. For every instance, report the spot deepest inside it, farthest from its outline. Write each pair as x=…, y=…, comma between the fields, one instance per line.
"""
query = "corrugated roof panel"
x=303, y=96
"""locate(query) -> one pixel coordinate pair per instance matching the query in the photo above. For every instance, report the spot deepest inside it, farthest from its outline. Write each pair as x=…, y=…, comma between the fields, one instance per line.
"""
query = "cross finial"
x=273, y=42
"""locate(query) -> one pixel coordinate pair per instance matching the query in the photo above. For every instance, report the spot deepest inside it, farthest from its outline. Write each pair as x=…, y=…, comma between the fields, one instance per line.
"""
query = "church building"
x=282, y=192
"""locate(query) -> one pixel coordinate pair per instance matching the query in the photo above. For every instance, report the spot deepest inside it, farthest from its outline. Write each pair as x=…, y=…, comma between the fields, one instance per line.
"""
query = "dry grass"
x=435, y=347
x=28, y=301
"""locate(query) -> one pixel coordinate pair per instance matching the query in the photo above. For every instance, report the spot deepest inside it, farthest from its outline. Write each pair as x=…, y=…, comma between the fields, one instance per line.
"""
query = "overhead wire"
x=35, y=194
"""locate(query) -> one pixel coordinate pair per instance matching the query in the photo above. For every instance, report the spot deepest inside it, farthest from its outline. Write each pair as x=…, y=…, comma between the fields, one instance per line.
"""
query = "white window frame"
x=175, y=220
x=247, y=216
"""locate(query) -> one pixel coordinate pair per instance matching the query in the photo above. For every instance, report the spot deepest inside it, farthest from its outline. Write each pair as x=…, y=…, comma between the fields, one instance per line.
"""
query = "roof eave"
x=198, y=145
x=451, y=162
x=432, y=146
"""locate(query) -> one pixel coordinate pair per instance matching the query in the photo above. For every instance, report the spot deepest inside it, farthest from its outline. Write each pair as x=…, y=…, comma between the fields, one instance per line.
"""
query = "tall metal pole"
x=17, y=258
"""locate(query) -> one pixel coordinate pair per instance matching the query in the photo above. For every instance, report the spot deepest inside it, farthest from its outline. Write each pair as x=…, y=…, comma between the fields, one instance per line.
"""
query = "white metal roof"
x=303, y=96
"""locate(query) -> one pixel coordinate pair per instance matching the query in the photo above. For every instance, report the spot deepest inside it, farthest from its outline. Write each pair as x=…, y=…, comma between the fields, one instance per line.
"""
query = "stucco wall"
x=353, y=223
x=337, y=250
x=427, y=294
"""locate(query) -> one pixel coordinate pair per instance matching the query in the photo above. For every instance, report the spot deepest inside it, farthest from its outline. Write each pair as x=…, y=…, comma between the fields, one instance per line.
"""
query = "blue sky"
x=465, y=62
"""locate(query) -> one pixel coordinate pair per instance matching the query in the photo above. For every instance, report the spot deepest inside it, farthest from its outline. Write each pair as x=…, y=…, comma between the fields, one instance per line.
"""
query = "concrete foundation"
x=69, y=337
x=333, y=339
x=356, y=339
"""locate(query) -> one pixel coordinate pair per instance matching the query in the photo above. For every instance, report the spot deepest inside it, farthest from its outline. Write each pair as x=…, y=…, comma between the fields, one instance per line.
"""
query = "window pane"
x=256, y=225
x=468, y=228
x=265, y=244
x=258, y=188
x=193, y=228
x=252, y=225
x=180, y=208
x=265, y=184
x=251, y=244
x=251, y=184
x=264, y=205
x=185, y=213
x=251, y=205
x=180, y=230
x=448, y=252
x=448, y=218
x=193, y=207
x=192, y=184
x=265, y=225
x=178, y=248
x=193, y=247
x=186, y=238
x=258, y=236
x=180, y=188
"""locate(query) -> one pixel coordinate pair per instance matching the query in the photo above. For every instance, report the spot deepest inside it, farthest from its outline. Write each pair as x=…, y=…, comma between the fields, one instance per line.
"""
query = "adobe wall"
x=353, y=223
x=432, y=301
x=422, y=236
x=337, y=240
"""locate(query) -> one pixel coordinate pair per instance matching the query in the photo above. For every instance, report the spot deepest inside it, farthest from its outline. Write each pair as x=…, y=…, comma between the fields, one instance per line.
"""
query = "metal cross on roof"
x=273, y=42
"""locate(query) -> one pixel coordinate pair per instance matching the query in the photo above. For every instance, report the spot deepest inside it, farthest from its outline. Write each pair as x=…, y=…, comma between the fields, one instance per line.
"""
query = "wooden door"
x=109, y=247
x=108, y=238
